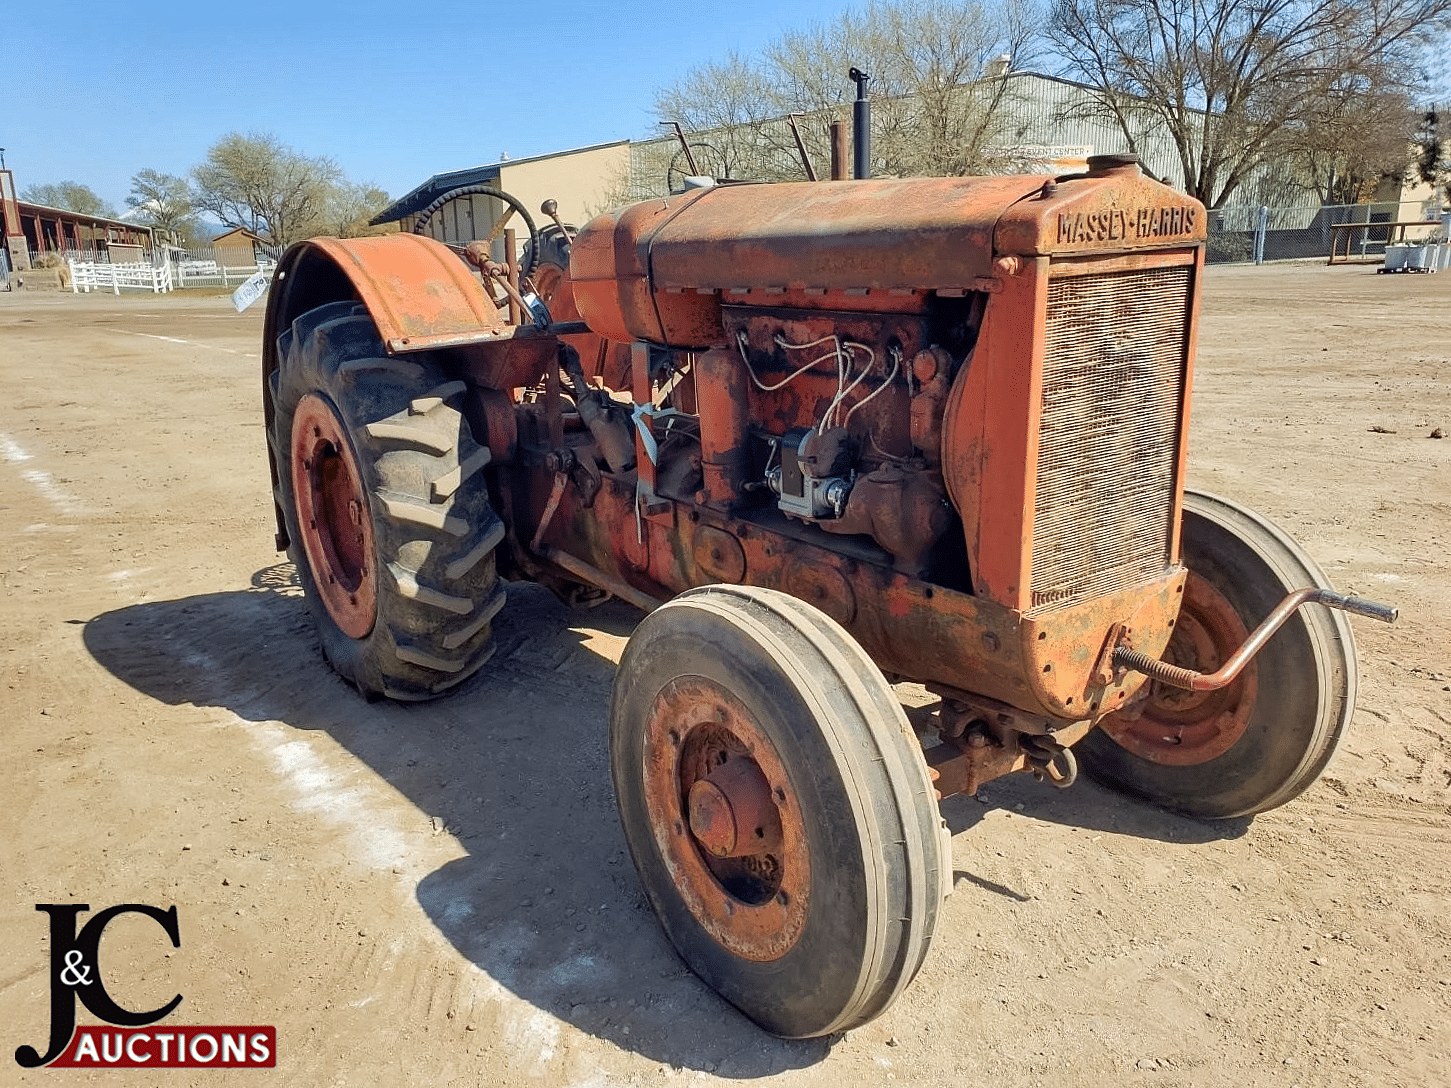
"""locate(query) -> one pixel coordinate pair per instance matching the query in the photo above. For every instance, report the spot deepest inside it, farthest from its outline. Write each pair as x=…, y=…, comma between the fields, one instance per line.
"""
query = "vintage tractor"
x=830, y=436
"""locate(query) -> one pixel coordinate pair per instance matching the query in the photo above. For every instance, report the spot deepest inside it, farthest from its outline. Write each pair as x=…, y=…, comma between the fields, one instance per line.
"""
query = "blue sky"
x=97, y=90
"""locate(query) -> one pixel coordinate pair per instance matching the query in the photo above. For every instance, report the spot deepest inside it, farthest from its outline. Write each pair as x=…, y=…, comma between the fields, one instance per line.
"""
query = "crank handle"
x=1178, y=677
x=1359, y=605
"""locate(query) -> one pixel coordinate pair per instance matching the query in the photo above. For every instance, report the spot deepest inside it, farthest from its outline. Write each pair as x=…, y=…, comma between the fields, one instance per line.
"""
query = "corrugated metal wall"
x=1043, y=123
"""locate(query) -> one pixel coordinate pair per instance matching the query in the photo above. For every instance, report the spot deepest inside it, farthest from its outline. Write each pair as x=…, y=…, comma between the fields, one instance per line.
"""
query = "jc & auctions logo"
x=131, y=1042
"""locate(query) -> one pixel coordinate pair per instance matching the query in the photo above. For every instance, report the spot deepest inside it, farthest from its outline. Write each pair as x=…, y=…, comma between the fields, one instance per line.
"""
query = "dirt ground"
x=441, y=895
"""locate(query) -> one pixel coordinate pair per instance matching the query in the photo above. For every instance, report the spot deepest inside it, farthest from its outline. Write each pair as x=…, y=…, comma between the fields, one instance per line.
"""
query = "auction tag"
x=253, y=288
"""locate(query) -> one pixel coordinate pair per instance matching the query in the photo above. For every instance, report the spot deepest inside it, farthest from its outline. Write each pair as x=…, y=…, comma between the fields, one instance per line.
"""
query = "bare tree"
x=936, y=105
x=1234, y=83
x=258, y=182
x=937, y=99
x=70, y=196
x=728, y=102
x=1354, y=139
x=164, y=203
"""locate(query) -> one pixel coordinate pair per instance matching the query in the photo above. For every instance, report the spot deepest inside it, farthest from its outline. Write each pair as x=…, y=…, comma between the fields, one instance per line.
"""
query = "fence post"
x=1260, y=235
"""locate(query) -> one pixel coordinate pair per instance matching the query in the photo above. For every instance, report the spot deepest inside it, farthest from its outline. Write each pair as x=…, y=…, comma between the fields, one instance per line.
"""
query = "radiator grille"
x=1113, y=387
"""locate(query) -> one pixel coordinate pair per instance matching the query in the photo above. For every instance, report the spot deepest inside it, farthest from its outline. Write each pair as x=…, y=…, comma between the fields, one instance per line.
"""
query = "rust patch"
x=719, y=554
x=822, y=587
x=333, y=517
x=420, y=295
x=733, y=837
x=1180, y=728
x=1062, y=648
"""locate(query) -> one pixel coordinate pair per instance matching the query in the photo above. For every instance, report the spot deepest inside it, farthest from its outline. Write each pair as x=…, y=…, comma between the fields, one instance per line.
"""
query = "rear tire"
x=386, y=507
x=777, y=807
x=1266, y=737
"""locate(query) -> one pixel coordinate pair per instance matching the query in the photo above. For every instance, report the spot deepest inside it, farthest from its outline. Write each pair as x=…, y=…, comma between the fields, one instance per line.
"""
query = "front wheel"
x=1266, y=737
x=380, y=484
x=777, y=807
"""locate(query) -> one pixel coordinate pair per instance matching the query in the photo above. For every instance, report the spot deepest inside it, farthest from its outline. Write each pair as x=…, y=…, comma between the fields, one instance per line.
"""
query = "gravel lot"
x=440, y=894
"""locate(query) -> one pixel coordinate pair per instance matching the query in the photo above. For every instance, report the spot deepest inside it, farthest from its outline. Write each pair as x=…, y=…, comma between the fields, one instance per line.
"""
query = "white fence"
x=194, y=272
x=166, y=275
x=94, y=276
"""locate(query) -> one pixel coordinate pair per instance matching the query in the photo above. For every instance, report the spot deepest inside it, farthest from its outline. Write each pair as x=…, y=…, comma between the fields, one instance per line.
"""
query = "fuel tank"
x=660, y=270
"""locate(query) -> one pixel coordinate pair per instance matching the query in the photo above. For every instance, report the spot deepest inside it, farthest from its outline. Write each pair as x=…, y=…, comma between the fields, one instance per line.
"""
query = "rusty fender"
x=420, y=296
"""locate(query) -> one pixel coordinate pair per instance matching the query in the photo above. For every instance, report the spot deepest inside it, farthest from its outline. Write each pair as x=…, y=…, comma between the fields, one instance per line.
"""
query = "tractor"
x=829, y=436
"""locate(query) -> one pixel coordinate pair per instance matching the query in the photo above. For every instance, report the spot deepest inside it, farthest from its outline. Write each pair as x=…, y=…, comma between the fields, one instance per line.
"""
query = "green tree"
x=69, y=195
x=164, y=203
x=1433, y=150
x=257, y=182
x=349, y=207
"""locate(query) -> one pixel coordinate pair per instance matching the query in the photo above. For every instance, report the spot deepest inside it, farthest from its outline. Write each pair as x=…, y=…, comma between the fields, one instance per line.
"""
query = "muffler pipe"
x=861, y=121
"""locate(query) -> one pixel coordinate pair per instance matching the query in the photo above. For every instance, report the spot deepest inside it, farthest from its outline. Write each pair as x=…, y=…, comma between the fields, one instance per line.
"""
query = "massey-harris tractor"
x=829, y=436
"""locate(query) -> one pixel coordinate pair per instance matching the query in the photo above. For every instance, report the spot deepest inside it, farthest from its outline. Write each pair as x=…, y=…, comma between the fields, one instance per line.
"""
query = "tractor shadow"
x=515, y=765
x=1086, y=806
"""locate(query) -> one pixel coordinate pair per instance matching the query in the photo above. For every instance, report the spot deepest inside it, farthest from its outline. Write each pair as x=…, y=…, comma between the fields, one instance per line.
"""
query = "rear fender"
x=420, y=295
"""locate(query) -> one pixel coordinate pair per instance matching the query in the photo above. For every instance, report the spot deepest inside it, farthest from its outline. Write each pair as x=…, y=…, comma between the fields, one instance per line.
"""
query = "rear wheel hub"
x=333, y=516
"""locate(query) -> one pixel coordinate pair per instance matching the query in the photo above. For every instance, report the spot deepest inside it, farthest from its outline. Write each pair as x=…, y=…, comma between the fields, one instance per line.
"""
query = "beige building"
x=238, y=248
x=581, y=182
x=1045, y=127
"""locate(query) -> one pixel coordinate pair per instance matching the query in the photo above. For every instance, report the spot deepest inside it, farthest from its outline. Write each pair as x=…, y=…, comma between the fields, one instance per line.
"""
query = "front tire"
x=777, y=807
x=387, y=512
x=1266, y=737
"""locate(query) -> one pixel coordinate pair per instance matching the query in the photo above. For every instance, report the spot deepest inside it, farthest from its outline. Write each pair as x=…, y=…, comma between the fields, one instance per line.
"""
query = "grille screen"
x=1113, y=386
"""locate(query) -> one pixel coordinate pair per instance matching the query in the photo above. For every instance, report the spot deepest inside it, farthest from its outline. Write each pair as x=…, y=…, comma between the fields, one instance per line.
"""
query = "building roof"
x=241, y=231
x=424, y=195
x=29, y=207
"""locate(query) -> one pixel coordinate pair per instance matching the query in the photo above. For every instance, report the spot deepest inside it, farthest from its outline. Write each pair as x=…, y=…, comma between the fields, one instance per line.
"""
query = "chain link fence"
x=1348, y=231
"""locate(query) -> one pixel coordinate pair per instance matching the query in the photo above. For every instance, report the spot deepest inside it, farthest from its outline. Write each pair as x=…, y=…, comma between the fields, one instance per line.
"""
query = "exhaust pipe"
x=861, y=120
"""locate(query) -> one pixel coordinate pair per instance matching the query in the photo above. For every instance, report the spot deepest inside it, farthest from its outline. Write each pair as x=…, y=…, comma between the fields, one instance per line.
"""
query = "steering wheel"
x=512, y=204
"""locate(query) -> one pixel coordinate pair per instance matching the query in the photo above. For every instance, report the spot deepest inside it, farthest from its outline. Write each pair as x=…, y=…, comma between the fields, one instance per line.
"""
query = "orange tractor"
x=830, y=436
